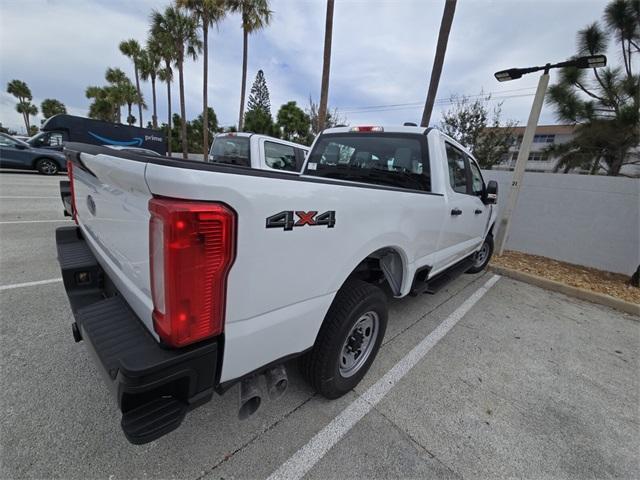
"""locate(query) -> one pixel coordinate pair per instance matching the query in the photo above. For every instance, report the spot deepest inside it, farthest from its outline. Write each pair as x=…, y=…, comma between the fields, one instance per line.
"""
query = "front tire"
x=482, y=256
x=46, y=166
x=349, y=339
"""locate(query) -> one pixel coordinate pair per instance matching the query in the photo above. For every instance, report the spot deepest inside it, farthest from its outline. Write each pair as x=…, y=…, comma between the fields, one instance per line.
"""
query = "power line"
x=442, y=99
x=409, y=106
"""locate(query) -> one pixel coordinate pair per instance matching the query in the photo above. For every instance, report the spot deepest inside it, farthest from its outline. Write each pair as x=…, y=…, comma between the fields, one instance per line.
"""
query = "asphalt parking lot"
x=508, y=381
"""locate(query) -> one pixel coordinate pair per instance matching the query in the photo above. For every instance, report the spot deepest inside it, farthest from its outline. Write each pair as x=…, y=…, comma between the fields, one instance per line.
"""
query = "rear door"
x=279, y=156
x=462, y=229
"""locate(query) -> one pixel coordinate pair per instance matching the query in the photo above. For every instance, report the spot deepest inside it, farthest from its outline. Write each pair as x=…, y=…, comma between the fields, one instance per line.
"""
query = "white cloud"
x=382, y=52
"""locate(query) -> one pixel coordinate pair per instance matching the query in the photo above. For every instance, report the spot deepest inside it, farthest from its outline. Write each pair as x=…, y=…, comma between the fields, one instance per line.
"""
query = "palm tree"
x=130, y=97
x=438, y=61
x=605, y=108
x=326, y=66
x=255, y=16
x=22, y=92
x=131, y=48
x=180, y=33
x=163, y=47
x=208, y=13
x=149, y=64
x=115, y=92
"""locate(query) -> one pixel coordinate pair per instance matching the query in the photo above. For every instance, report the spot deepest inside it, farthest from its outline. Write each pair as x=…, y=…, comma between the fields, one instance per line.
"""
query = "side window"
x=55, y=139
x=6, y=142
x=457, y=169
x=477, y=184
x=281, y=157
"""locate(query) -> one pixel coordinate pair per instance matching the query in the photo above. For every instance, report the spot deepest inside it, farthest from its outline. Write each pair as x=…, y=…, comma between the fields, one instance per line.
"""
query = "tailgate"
x=112, y=211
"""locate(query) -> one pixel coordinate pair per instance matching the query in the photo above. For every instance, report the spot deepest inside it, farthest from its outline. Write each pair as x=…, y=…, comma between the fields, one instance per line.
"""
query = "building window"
x=544, y=138
x=537, y=157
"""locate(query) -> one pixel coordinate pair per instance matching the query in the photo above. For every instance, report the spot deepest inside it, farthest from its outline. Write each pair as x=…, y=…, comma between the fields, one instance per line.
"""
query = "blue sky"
x=382, y=53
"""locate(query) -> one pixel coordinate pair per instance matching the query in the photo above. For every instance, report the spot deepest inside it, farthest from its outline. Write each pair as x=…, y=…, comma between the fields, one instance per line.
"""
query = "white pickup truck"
x=186, y=278
x=257, y=151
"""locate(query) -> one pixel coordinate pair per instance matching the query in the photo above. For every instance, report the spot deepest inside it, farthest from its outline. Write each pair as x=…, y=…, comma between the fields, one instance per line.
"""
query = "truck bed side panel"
x=282, y=282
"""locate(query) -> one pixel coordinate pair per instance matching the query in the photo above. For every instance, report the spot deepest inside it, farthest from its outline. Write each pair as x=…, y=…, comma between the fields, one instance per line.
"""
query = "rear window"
x=396, y=160
x=230, y=149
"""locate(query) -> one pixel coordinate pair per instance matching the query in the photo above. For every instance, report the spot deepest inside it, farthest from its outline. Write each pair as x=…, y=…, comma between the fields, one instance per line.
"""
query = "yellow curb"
x=588, y=295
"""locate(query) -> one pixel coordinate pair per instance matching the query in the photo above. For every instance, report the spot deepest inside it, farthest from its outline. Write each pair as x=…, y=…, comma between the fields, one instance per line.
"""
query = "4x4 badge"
x=286, y=219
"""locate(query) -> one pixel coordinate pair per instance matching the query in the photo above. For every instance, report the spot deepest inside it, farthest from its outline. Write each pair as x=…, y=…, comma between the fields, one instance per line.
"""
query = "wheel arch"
x=383, y=265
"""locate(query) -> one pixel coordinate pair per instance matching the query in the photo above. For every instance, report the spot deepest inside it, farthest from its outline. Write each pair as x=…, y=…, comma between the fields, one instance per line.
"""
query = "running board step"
x=433, y=285
x=152, y=420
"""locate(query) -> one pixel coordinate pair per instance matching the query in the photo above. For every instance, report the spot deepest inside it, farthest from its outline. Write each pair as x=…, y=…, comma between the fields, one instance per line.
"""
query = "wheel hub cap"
x=359, y=343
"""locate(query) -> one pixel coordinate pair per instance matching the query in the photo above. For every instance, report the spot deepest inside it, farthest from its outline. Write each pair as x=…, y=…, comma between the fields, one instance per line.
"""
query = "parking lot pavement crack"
x=429, y=312
x=415, y=442
x=229, y=456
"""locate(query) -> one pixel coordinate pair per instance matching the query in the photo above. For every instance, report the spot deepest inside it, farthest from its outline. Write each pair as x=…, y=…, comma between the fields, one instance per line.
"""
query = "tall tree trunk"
x=154, y=118
x=438, y=61
x=25, y=117
x=129, y=122
x=205, y=110
x=169, y=133
x=135, y=69
x=326, y=67
x=245, y=48
x=183, y=112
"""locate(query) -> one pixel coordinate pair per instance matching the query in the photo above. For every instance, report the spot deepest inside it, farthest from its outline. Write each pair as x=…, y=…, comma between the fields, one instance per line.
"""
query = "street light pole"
x=521, y=162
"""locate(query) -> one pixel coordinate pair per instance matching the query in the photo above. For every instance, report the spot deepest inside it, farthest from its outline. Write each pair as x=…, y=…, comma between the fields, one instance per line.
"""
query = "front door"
x=463, y=227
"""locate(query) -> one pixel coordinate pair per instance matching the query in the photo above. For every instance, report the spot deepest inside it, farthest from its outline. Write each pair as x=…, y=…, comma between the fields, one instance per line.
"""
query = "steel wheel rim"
x=482, y=255
x=359, y=344
x=48, y=167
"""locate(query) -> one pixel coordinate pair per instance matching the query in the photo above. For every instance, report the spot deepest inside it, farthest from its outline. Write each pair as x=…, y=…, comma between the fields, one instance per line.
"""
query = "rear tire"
x=482, y=256
x=349, y=339
x=46, y=166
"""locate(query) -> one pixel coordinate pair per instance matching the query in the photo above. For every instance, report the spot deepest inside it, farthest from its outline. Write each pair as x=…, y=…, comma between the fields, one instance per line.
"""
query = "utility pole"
x=521, y=163
x=438, y=61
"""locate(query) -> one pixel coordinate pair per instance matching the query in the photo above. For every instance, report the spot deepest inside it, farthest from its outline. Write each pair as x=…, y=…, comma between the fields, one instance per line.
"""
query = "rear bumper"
x=154, y=386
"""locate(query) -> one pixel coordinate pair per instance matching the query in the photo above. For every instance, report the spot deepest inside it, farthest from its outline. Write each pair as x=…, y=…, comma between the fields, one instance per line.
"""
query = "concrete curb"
x=580, y=293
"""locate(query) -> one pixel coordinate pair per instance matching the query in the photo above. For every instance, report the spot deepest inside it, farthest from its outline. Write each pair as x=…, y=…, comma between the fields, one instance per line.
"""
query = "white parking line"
x=304, y=459
x=29, y=284
x=15, y=196
x=34, y=221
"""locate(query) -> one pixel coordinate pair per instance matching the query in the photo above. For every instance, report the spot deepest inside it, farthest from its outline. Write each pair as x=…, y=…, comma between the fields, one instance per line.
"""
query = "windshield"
x=387, y=159
x=230, y=149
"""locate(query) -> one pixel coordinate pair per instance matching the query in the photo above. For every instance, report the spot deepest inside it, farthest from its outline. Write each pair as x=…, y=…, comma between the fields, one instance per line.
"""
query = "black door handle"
x=456, y=211
x=478, y=211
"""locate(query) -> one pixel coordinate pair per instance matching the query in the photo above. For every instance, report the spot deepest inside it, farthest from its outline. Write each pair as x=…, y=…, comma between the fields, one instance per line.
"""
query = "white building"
x=538, y=160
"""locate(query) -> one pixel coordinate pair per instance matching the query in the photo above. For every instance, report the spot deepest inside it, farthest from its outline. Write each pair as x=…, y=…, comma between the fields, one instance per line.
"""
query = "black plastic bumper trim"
x=141, y=373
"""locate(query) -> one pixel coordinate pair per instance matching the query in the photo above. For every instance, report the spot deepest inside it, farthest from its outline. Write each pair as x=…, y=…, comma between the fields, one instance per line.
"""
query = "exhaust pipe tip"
x=250, y=398
x=277, y=381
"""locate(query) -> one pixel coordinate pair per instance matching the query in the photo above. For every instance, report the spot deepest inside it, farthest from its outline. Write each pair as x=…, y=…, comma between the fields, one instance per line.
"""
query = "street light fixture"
x=593, y=61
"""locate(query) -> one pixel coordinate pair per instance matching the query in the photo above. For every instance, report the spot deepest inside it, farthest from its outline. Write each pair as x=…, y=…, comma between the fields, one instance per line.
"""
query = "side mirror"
x=20, y=146
x=491, y=193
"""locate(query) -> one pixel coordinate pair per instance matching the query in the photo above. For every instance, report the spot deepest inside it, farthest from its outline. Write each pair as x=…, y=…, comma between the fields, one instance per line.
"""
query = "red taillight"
x=74, y=211
x=191, y=248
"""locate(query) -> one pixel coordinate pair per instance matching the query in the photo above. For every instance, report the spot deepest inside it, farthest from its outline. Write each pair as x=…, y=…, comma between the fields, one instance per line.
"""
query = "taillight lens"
x=74, y=211
x=192, y=248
